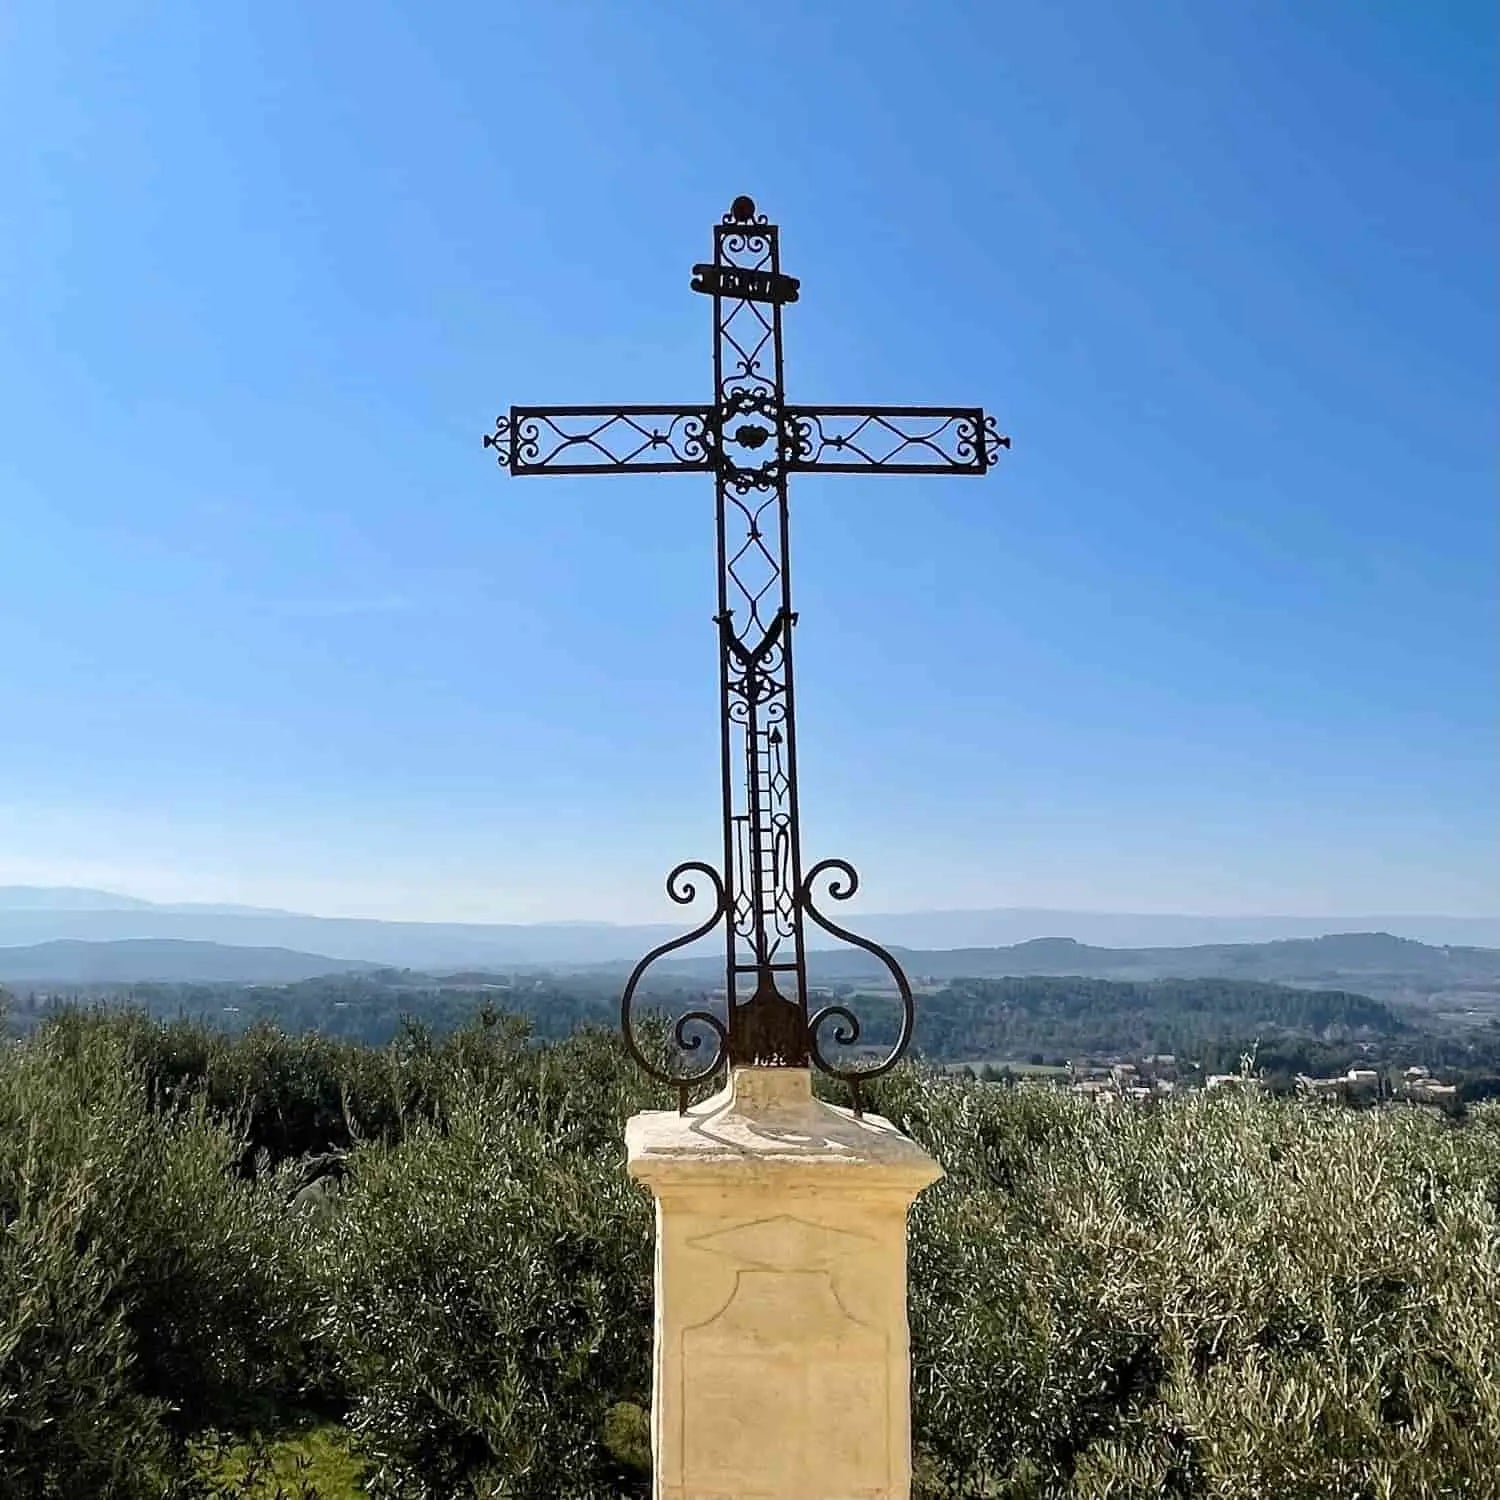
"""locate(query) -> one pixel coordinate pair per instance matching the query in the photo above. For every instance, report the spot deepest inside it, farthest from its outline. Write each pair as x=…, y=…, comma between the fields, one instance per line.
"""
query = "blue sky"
x=1219, y=636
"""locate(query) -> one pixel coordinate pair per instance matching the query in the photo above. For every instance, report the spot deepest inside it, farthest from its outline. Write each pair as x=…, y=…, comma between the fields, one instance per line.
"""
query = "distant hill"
x=1009, y=926
x=66, y=898
x=30, y=914
x=975, y=1018
x=135, y=961
x=45, y=898
x=57, y=929
x=1375, y=963
x=1374, y=958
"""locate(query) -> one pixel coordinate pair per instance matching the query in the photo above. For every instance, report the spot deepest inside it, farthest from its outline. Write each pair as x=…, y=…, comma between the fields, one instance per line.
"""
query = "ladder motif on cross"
x=751, y=440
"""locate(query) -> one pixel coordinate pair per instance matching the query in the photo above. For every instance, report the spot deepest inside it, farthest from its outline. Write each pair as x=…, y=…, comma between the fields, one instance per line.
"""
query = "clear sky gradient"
x=1219, y=636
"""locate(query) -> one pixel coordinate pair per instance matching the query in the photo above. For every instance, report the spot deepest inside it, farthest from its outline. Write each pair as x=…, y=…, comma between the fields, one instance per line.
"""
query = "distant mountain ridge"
x=67, y=898
x=141, y=960
x=40, y=898
x=1335, y=952
x=30, y=915
x=1376, y=964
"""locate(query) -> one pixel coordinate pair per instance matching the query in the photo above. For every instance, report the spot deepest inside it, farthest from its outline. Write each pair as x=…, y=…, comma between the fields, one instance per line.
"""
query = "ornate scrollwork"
x=743, y=211
x=994, y=440
x=736, y=430
x=748, y=241
x=968, y=444
x=500, y=441
x=762, y=477
x=685, y=1038
x=749, y=401
x=841, y=887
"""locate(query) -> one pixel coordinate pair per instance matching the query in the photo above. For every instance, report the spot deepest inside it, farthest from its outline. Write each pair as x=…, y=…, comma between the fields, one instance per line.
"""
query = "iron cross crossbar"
x=752, y=440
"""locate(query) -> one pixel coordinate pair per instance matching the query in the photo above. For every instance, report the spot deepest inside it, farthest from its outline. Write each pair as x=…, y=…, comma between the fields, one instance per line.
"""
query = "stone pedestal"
x=781, y=1366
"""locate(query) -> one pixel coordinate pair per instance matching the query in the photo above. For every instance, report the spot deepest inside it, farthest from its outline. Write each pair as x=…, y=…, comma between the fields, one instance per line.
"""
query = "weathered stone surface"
x=781, y=1365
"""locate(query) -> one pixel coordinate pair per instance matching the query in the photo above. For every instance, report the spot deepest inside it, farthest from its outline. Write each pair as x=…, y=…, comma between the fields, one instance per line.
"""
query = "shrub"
x=489, y=1286
x=144, y=1292
x=1227, y=1296
x=1219, y=1297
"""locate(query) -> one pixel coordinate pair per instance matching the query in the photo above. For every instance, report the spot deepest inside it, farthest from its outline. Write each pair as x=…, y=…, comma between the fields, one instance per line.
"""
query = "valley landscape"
x=1300, y=1005
x=293, y=1167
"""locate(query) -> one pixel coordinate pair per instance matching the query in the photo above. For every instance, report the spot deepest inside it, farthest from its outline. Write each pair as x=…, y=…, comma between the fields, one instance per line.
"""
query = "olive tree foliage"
x=487, y=1288
x=145, y=1291
x=1217, y=1297
x=1224, y=1296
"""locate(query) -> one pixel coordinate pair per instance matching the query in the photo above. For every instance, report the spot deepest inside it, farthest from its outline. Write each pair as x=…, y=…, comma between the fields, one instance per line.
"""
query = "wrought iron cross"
x=752, y=440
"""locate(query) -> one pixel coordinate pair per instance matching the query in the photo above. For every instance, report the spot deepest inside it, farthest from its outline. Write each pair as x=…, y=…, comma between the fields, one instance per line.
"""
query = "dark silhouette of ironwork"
x=751, y=440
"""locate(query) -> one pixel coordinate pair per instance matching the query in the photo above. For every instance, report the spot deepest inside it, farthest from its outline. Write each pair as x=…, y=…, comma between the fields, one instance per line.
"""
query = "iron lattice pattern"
x=701, y=439
x=753, y=566
x=895, y=439
x=756, y=622
x=604, y=439
x=748, y=356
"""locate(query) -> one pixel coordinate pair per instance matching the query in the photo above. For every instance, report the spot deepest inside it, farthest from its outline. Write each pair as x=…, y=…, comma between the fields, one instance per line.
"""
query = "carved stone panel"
x=785, y=1363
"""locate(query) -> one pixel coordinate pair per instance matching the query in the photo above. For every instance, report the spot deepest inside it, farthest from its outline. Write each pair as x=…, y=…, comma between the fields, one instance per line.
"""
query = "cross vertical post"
x=752, y=440
x=762, y=853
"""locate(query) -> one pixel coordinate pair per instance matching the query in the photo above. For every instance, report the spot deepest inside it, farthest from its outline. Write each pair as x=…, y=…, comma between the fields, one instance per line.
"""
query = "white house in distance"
x=1417, y=1084
x=1357, y=1083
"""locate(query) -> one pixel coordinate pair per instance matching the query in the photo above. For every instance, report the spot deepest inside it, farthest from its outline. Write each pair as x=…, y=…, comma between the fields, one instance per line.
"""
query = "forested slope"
x=1206, y=1023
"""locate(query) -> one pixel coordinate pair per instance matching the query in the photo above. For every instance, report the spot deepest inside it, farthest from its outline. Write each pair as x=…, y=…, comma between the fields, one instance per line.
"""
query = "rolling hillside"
x=146, y=959
x=31, y=915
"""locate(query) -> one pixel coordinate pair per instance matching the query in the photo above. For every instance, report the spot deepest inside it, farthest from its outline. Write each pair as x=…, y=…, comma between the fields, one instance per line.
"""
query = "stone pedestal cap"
x=767, y=1121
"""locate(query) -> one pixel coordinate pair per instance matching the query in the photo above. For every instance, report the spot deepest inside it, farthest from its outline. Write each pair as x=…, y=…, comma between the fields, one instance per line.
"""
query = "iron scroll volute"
x=687, y=1041
x=841, y=887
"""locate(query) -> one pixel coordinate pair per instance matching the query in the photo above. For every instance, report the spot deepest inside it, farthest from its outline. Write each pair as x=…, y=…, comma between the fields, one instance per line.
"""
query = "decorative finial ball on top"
x=742, y=210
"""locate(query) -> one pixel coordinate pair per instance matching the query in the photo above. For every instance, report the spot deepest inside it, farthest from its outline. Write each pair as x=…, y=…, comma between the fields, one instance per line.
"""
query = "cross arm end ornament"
x=603, y=440
x=891, y=439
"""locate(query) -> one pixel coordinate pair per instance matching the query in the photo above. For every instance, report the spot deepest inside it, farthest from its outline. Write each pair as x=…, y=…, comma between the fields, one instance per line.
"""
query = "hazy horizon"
x=66, y=896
